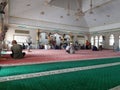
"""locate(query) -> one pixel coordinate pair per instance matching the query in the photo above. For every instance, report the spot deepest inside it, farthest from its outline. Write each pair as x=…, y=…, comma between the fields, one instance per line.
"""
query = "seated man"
x=70, y=49
x=17, y=50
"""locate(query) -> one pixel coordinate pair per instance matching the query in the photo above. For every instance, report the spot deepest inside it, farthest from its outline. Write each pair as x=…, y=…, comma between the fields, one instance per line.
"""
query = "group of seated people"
x=17, y=49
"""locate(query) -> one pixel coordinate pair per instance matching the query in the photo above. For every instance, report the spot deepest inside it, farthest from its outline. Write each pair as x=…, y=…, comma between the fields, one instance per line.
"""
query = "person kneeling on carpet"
x=17, y=50
x=94, y=48
x=70, y=48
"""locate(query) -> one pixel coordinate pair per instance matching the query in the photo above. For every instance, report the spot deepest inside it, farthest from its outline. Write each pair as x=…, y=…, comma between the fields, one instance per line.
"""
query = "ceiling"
x=105, y=12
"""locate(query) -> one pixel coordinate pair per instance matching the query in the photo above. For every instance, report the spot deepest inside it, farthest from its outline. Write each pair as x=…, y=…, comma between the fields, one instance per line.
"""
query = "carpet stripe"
x=24, y=76
x=115, y=88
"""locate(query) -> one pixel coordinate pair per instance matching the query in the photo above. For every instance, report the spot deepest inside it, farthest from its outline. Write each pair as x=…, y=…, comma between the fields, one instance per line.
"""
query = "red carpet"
x=39, y=56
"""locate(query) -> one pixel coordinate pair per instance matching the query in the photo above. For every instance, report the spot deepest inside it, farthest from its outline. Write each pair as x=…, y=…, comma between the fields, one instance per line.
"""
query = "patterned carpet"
x=42, y=56
x=81, y=71
x=97, y=74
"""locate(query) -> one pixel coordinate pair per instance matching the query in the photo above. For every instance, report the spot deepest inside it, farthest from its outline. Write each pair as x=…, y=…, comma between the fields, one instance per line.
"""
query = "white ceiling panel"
x=104, y=11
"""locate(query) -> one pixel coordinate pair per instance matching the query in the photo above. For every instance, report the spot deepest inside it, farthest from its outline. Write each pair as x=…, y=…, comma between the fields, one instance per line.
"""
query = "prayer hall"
x=59, y=45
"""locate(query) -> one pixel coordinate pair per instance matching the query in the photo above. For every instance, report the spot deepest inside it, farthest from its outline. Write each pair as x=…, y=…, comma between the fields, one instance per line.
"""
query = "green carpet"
x=93, y=79
x=24, y=69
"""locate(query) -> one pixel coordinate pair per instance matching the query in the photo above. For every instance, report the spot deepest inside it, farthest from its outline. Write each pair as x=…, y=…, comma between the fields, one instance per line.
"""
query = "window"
x=20, y=38
x=101, y=40
x=81, y=39
x=119, y=41
x=96, y=41
x=92, y=40
x=111, y=40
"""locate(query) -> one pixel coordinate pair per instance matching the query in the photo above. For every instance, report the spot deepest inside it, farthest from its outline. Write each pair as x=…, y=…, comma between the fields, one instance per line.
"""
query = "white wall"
x=46, y=25
x=11, y=32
